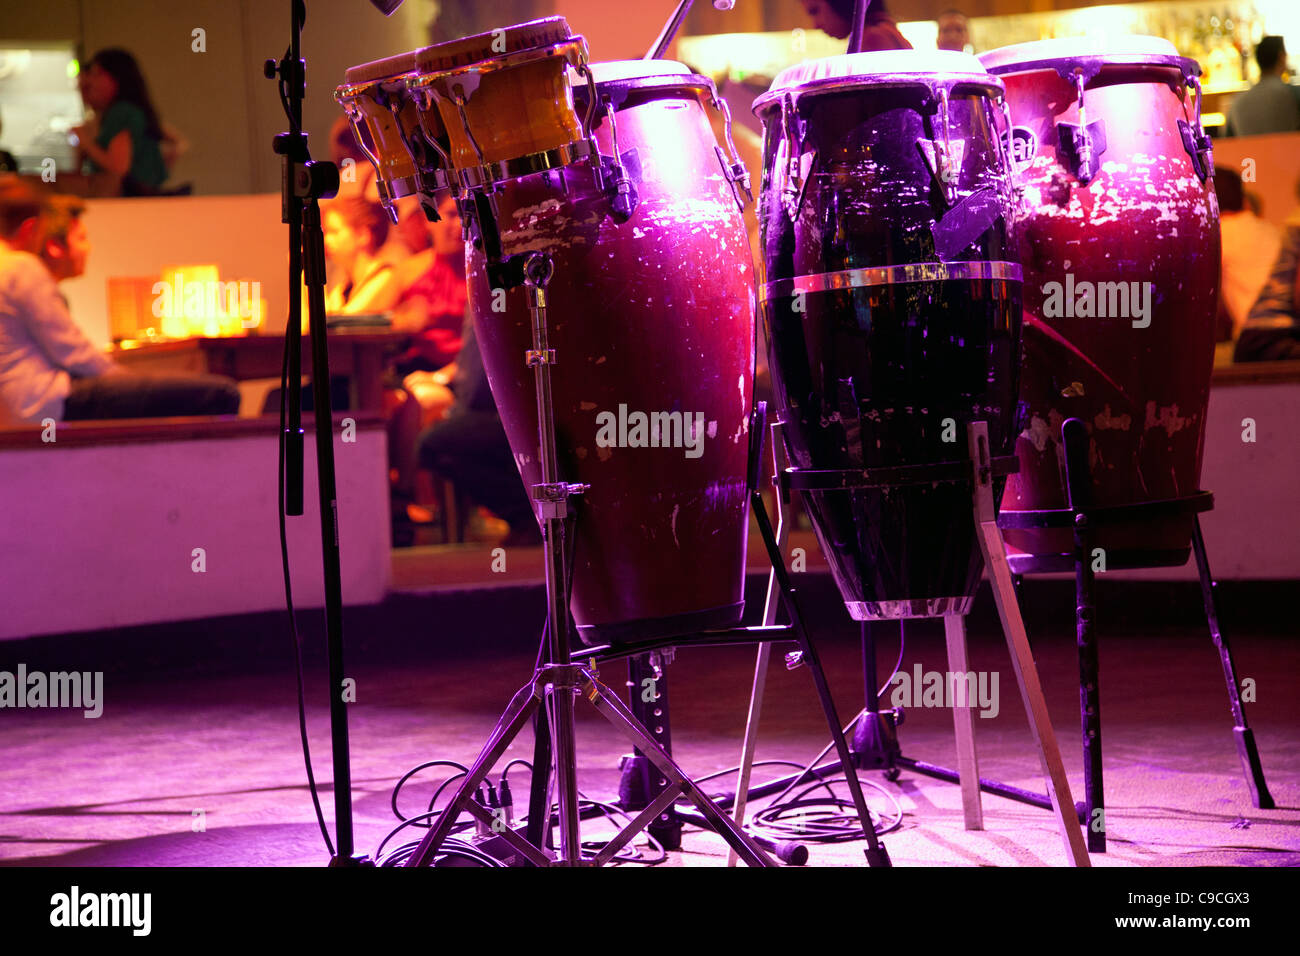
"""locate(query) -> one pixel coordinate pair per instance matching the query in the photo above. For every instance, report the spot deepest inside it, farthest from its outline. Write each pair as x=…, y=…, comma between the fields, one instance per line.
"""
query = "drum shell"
x=657, y=314
x=380, y=128
x=1142, y=392
x=511, y=111
x=889, y=375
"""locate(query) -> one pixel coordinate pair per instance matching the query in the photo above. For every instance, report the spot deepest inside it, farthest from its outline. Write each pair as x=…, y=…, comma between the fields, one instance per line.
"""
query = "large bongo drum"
x=651, y=317
x=892, y=303
x=1119, y=233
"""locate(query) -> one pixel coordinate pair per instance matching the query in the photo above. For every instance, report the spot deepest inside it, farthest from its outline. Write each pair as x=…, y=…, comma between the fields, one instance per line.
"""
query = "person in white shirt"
x=49, y=369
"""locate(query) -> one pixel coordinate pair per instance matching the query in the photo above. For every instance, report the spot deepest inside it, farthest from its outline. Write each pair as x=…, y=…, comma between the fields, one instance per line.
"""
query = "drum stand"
x=780, y=587
x=557, y=679
x=1085, y=519
x=875, y=742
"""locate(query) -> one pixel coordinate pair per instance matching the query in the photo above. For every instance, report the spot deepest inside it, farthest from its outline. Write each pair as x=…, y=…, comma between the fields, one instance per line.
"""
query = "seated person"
x=48, y=368
x=469, y=448
x=361, y=281
x=1272, y=329
x=432, y=308
x=1250, y=246
x=121, y=146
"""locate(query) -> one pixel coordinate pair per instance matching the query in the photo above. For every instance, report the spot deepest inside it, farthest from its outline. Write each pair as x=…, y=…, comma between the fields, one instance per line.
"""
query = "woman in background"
x=123, y=140
x=361, y=281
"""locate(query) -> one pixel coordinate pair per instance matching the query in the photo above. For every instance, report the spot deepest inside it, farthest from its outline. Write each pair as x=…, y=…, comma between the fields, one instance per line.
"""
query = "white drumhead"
x=631, y=70
x=862, y=66
x=1004, y=59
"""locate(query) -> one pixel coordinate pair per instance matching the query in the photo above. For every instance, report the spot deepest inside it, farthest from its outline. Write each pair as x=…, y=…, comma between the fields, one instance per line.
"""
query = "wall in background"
x=241, y=235
x=219, y=98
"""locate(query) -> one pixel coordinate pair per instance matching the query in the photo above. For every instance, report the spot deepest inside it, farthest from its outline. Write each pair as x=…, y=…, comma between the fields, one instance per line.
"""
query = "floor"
x=197, y=770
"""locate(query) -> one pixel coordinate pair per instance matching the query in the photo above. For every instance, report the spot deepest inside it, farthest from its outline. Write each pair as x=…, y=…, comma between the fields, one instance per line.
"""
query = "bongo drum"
x=651, y=316
x=892, y=303
x=504, y=99
x=1119, y=233
x=406, y=149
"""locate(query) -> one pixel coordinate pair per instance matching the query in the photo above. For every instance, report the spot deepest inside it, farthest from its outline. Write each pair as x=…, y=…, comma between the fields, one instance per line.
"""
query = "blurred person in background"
x=470, y=449
x=1271, y=105
x=356, y=174
x=122, y=143
x=1250, y=247
x=49, y=369
x=357, y=180
x=8, y=164
x=361, y=281
x=433, y=309
x=954, y=30
x=1272, y=329
x=835, y=18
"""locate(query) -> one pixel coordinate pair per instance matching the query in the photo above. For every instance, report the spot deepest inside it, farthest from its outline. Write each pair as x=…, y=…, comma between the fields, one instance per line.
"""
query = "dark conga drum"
x=892, y=303
x=1119, y=232
x=652, y=322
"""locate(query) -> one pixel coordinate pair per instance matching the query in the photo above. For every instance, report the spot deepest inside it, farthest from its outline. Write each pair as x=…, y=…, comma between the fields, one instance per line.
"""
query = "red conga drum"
x=1119, y=239
x=652, y=322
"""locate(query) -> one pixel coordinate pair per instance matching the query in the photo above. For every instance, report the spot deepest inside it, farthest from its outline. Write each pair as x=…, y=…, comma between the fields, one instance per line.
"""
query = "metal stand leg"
x=1074, y=437
x=641, y=781
x=763, y=656
x=875, y=852
x=1031, y=691
x=963, y=719
x=1245, y=737
x=557, y=681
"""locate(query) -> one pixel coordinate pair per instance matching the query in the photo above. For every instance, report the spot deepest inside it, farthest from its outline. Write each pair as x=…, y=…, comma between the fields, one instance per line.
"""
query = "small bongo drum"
x=408, y=154
x=1119, y=238
x=504, y=99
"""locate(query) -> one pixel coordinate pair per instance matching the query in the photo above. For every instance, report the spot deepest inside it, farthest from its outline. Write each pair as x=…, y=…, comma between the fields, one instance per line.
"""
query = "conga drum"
x=651, y=317
x=407, y=149
x=1119, y=239
x=892, y=303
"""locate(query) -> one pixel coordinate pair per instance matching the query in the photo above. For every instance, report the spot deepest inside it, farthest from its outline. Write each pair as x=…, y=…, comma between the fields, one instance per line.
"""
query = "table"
x=360, y=355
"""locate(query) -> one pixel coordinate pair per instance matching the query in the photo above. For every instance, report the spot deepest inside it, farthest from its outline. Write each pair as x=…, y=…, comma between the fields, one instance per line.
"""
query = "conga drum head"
x=504, y=99
x=1118, y=225
x=1019, y=57
x=486, y=47
x=892, y=305
x=652, y=321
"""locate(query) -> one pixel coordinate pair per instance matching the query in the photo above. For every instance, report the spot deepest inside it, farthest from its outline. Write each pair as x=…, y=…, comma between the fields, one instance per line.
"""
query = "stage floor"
x=220, y=755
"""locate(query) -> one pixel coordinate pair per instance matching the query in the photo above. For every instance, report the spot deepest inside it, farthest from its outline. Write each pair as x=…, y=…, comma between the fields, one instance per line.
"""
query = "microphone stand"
x=860, y=9
x=303, y=183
